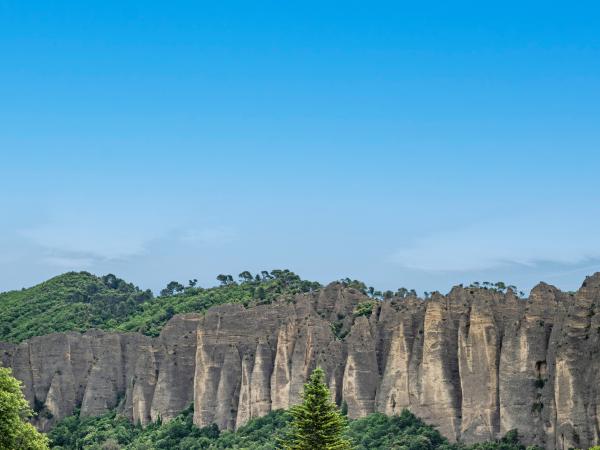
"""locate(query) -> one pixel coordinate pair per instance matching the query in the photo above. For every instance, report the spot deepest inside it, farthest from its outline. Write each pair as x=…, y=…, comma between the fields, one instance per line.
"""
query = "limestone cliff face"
x=476, y=363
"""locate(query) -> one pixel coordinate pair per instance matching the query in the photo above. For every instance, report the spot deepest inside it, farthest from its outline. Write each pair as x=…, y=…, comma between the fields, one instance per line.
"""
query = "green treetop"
x=15, y=432
x=317, y=423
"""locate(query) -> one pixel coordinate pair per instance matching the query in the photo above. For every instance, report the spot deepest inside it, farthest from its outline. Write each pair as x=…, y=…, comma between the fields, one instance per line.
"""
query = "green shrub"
x=363, y=309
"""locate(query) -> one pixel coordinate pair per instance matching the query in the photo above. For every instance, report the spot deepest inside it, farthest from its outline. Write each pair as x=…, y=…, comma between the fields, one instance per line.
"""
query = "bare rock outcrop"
x=475, y=363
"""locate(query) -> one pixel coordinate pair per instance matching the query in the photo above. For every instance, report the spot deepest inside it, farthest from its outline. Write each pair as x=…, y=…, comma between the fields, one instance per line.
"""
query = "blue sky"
x=405, y=144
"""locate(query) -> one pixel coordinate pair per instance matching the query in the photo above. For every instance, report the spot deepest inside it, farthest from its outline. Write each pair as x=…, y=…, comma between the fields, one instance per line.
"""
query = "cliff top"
x=82, y=301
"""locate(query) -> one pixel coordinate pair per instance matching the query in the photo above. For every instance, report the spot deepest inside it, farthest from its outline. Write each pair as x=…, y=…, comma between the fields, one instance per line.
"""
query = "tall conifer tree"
x=317, y=423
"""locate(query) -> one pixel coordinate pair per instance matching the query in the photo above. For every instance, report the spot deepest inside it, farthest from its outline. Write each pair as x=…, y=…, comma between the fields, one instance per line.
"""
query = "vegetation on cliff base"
x=15, y=432
x=79, y=301
x=374, y=432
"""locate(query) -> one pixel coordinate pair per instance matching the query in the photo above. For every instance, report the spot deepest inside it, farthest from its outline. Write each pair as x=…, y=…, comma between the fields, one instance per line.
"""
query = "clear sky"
x=417, y=144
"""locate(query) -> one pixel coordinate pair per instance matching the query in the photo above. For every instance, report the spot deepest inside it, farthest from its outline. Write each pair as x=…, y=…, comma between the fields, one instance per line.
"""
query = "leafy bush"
x=378, y=431
x=15, y=431
x=363, y=309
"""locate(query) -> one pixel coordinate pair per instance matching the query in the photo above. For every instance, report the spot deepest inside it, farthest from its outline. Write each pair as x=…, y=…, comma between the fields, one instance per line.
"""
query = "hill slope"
x=79, y=301
x=69, y=302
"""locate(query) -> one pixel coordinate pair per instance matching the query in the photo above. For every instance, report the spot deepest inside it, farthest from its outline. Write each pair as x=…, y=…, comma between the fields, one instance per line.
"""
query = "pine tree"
x=317, y=424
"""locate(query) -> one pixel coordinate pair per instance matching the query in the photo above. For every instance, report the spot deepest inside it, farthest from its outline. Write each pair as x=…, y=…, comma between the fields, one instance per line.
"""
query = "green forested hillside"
x=79, y=301
x=375, y=432
x=72, y=301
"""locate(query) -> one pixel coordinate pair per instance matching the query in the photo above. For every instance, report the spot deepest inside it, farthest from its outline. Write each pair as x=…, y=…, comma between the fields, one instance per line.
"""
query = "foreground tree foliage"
x=316, y=422
x=15, y=432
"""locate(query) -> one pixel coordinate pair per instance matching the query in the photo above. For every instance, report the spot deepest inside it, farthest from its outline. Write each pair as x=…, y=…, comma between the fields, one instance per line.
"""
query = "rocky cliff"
x=475, y=362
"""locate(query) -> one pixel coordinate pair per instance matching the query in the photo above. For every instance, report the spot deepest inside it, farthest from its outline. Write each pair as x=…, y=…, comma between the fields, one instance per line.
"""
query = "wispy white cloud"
x=209, y=236
x=78, y=244
x=95, y=241
x=69, y=262
x=567, y=240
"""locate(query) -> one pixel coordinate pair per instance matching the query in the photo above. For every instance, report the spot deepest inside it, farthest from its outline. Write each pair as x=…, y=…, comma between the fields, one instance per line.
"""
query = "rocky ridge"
x=476, y=363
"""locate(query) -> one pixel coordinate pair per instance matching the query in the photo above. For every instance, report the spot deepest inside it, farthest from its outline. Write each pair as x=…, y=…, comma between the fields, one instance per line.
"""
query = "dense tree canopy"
x=374, y=432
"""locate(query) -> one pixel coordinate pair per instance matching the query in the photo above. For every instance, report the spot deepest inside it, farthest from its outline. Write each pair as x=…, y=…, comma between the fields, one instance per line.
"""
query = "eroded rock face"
x=475, y=363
